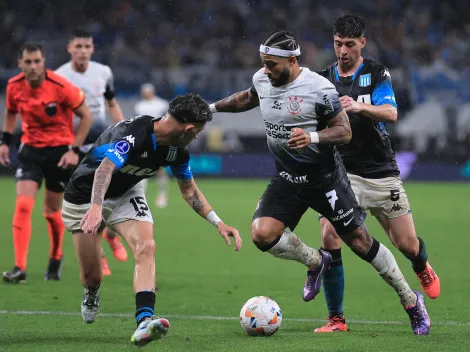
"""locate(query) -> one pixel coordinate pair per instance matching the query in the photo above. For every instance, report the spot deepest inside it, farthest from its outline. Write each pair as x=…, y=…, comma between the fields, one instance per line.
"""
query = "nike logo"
x=262, y=97
x=346, y=223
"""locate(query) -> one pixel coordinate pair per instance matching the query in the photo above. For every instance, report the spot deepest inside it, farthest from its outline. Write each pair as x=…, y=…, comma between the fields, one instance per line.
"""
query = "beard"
x=282, y=79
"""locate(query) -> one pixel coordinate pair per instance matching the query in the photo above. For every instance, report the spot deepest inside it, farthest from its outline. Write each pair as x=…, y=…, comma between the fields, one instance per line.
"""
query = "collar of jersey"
x=354, y=75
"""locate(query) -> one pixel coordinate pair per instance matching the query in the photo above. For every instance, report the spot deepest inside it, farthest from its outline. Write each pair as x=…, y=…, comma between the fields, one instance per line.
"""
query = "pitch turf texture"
x=204, y=283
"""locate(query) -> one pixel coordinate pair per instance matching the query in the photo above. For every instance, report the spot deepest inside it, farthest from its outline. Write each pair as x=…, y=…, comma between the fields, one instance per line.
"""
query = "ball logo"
x=122, y=147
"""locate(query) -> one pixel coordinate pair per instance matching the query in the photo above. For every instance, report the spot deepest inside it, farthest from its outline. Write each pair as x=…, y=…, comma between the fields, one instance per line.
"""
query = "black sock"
x=419, y=262
x=267, y=247
x=372, y=253
x=144, y=305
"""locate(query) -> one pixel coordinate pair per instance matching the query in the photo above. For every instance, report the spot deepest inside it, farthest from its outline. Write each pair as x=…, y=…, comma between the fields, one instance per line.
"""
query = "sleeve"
x=383, y=92
x=327, y=104
x=10, y=100
x=129, y=136
x=73, y=96
x=109, y=93
x=182, y=170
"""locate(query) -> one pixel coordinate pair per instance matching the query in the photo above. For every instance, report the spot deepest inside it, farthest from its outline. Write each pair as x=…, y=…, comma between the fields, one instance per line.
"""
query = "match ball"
x=260, y=316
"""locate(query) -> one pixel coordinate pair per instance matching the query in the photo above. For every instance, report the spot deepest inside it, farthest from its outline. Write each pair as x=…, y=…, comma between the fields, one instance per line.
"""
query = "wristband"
x=213, y=218
x=6, y=138
x=75, y=149
x=213, y=108
x=314, y=137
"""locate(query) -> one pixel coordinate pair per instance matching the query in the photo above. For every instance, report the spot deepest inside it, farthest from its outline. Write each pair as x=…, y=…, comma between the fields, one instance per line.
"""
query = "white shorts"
x=132, y=205
x=384, y=197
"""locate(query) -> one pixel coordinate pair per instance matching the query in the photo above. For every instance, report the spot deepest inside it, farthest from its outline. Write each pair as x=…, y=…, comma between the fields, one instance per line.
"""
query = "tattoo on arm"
x=196, y=203
x=238, y=102
x=338, y=131
x=101, y=182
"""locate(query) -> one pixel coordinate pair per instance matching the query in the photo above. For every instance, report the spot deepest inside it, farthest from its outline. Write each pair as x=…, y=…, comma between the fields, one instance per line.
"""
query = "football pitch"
x=203, y=283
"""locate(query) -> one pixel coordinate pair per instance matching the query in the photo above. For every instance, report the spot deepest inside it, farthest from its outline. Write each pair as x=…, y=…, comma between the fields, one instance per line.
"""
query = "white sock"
x=387, y=267
x=292, y=248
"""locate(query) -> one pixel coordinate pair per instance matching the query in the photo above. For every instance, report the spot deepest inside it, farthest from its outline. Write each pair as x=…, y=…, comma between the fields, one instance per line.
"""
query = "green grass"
x=200, y=276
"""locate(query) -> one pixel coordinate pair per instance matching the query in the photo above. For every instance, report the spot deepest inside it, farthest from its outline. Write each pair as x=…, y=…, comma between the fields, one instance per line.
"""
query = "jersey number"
x=332, y=198
x=139, y=205
x=364, y=99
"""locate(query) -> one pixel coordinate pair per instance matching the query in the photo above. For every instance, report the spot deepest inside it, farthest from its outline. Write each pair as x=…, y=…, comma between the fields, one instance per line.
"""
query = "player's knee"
x=409, y=246
x=330, y=238
x=358, y=240
x=262, y=234
x=145, y=249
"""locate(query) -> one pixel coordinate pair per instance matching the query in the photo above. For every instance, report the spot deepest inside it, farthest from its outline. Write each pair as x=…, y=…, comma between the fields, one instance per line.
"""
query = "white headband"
x=278, y=52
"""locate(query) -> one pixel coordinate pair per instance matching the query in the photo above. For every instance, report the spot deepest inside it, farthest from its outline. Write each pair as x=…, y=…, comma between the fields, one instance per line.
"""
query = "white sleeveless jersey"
x=308, y=102
x=95, y=82
x=156, y=107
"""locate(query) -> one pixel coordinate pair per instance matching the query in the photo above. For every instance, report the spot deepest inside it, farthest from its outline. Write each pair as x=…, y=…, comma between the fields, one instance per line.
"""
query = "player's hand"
x=4, y=155
x=68, y=160
x=228, y=231
x=92, y=219
x=298, y=139
x=350, y=105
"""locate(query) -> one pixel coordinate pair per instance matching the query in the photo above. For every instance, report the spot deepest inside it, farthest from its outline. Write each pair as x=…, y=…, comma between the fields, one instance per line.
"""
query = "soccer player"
x=46, y=103
x=106, y=189
x=96, y=80
x=304, y=120
x=152, y=105
x=367, y=96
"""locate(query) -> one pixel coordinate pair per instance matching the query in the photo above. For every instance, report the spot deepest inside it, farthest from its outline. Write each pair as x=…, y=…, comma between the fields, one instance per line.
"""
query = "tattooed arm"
x=194, y=197
x=101, y=182
x=238, y=102
x=338, y=132
x=91, y=222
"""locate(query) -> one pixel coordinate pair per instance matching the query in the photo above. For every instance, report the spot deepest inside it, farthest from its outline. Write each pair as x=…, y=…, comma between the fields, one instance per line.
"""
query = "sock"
x=162, y=183
x=56, y=228
x=384, y=262
x=110, y=234
x=419, y=262
x=290, y=247
x=22, y=229
x=333, y=284
x=144, y=305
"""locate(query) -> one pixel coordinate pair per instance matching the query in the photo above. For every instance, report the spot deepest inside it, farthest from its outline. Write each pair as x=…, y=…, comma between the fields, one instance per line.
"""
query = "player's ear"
x=363, y=42
x=188, y=127
x=292, y=60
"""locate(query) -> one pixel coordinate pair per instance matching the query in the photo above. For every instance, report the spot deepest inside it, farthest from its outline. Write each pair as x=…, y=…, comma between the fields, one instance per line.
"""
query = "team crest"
x=293, y=106
x=364, y=80
x=51, y=109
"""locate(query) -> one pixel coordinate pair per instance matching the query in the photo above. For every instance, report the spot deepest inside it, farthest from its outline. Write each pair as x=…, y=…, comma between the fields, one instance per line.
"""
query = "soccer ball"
x=260, y=316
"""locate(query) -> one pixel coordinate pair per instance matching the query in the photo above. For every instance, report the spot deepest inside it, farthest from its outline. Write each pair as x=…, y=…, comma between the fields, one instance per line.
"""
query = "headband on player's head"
x=278, y=52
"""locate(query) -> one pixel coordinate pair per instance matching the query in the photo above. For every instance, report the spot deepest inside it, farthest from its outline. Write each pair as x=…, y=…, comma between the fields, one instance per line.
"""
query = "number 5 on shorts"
x=332, y=198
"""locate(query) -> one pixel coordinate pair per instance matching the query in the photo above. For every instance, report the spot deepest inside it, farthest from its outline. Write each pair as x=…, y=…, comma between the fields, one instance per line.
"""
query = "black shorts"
x=287, y=202
x=34, y=164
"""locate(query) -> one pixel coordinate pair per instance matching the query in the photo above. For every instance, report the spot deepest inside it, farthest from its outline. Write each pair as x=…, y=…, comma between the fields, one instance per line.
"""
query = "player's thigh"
x=329, y=238
x=138, y=235
x=28, y=174
x=72, y=215
x=52, y=201
x=386, y=198
x=56, y=177
x=281, y=201
x=337, y=203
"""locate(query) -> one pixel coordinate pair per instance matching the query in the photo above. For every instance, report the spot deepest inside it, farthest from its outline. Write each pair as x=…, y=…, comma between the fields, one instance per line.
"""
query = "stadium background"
x=211, y=47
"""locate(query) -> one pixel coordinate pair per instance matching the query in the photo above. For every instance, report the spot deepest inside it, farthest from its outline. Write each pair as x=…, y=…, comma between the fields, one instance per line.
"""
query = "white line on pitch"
x=210, y=317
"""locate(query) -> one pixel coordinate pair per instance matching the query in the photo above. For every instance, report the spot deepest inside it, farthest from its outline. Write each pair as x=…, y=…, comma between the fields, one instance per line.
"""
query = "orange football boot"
x=119, y=251
x=430, y=282
x=335, y=324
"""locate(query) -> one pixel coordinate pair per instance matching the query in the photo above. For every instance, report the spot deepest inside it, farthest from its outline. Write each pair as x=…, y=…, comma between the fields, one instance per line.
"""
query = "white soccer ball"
x=260, y=316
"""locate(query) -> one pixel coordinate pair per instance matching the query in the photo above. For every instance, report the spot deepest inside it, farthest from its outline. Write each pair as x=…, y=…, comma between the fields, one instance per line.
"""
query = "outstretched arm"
x=194, y=197
x=238, y=102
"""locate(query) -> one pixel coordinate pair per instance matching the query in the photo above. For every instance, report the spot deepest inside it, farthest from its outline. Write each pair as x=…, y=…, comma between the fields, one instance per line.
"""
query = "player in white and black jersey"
x=152, y=105
x=304, y=120
x=97, y=82
x=105, y=189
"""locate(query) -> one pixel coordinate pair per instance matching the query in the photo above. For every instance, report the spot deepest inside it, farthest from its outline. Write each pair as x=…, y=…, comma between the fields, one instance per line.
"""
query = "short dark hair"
x=281, y=39
x=30, y=47
x=190, y=108
x=80, y=33
x=349, y=26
